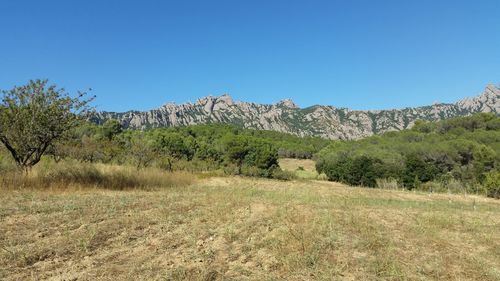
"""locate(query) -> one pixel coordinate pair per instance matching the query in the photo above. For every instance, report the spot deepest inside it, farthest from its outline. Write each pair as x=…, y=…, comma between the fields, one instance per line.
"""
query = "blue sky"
x=357, y=54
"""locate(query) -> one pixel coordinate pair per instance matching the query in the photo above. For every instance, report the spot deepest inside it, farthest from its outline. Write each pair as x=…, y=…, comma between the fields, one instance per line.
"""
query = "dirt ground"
x=233, y=228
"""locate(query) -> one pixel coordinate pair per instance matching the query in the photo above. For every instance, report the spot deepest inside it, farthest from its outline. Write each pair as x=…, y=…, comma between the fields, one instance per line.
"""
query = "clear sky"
x=359, y=54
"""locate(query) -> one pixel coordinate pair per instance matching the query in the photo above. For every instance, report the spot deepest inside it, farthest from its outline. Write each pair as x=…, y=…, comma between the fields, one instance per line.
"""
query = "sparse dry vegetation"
x=247, y=229
x=75, y=175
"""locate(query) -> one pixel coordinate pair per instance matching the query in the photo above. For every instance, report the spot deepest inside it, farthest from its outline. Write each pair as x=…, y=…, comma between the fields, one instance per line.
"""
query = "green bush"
x=360, y=171
x=280, y=174
x=418, y=170
x=492, y=184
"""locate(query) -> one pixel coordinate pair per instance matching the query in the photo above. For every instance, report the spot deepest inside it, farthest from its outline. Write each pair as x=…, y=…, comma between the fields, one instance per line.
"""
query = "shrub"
x=231, y=169
x=279, y=174
x=389, y=183
x=492, y=184
x=252, y=171
x=361, y=170
x=417, y=170
x=321, y=177
x=455, y=186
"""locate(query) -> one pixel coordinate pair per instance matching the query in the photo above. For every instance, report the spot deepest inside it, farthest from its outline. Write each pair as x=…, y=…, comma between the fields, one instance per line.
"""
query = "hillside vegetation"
x=458, y=154
x=222, y=148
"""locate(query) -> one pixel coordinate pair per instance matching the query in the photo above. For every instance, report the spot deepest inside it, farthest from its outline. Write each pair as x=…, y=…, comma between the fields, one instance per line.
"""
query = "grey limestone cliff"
x=284, y=116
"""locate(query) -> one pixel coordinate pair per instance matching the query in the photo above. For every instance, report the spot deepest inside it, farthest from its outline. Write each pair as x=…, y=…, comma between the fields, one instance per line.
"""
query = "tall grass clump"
x=68, y=174
x=7, y=165
x=388, y=183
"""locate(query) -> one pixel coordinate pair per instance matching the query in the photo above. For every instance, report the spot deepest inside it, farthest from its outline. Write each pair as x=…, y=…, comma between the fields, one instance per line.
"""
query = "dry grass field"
x=303, y=168
x=231, y=228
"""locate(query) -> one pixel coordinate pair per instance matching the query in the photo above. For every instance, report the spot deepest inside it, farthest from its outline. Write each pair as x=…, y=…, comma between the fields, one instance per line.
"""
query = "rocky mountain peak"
x=169, y=105
x=226, y=98
x=487, y=101
x=287, y=103
x=286, y=116
x=211, y=103
x=492, y=91
x=492, y=87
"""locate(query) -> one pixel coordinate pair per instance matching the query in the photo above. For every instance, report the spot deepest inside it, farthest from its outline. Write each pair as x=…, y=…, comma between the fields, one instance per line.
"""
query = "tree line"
x=193, y=148
x=459, y=153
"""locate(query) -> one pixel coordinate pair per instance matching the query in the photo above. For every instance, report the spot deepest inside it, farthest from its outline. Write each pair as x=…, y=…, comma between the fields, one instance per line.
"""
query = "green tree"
x=417, y=170
x=236, y=149
x=364, y=171
x=35, y=115
x=111, y=128
x=141, y=150
x=173, y=144
x=336, y=167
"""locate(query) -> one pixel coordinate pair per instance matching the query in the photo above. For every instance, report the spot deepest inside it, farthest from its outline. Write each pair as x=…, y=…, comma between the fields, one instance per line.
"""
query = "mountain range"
x=285, y=116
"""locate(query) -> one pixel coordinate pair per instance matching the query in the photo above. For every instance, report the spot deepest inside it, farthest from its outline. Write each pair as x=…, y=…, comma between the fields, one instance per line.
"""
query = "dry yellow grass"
x=303, y=168
x=292, y=164
x=248, y=229
x=75, y=175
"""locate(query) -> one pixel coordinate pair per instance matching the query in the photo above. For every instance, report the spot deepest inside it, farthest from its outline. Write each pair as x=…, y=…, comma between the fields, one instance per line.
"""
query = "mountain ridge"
x=285, y=116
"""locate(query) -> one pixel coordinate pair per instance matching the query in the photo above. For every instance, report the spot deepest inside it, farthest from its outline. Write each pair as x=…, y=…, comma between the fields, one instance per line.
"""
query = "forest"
x=458, y=155
x=198, y=148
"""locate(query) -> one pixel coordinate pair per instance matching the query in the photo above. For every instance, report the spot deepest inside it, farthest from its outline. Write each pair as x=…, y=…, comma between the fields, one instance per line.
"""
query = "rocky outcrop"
x=285, y=116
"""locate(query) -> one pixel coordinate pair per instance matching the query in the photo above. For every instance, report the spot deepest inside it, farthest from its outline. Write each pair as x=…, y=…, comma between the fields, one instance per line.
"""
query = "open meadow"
x=237, y=228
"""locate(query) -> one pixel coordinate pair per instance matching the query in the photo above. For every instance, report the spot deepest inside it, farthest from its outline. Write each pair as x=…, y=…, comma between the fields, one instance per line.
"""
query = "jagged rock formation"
x=284, y=116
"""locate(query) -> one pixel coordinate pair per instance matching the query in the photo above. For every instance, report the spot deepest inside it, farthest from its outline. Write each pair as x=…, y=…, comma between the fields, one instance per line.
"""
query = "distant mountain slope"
x=284, y=116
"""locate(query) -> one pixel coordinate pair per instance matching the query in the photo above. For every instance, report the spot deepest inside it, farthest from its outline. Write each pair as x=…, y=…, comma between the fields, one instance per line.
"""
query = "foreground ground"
x=248, y=229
